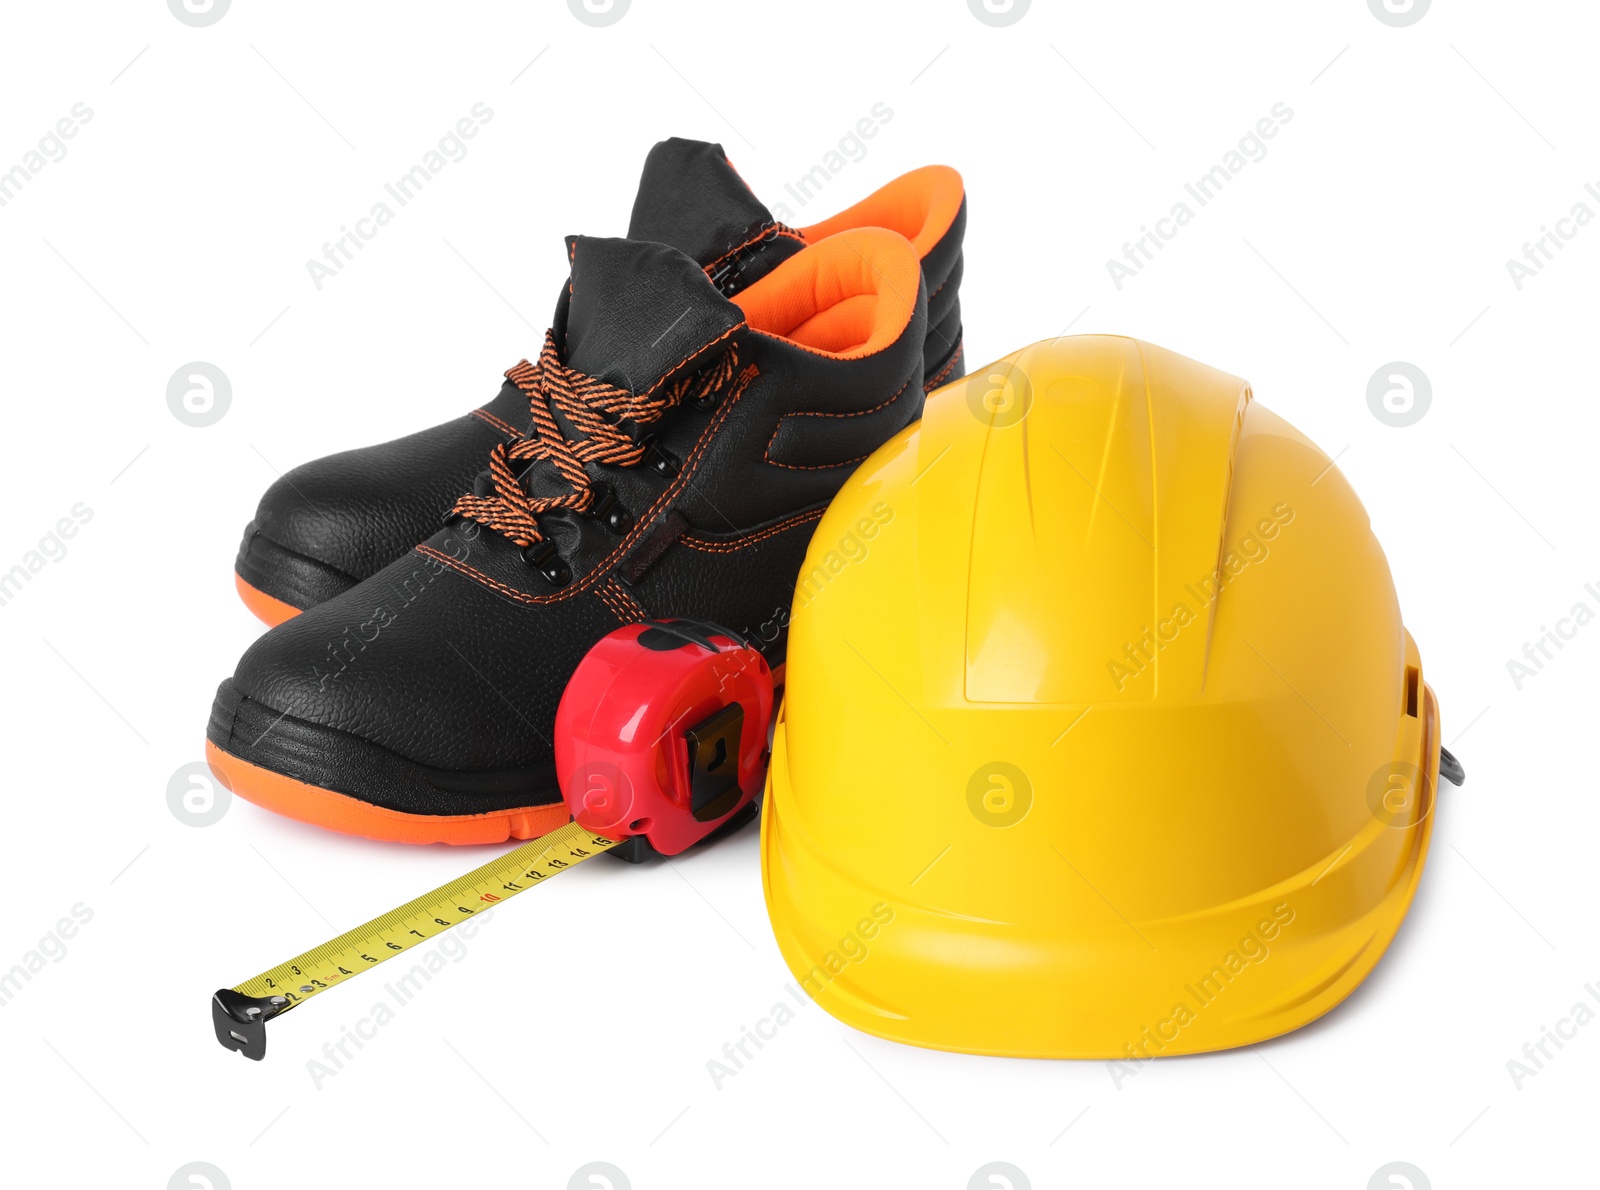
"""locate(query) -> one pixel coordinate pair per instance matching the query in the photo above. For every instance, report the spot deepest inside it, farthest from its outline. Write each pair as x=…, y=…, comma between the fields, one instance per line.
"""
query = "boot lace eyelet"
x=658, y=458
x=547, y=560
x=608, y=510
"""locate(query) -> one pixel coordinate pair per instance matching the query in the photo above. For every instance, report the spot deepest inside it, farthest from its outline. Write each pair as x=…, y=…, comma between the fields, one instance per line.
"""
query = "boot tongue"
x=691, y=198
x=640, y=314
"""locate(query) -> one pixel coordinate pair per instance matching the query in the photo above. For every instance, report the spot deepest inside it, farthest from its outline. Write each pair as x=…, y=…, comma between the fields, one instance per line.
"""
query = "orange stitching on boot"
x=607, y=596
x=604, y=596
x=505, y=427
x=820, y=466
x=625, y=606
x=766, y=454
x=632, y=609
x=493, y=583
x=729, y=547
x=852, y=413
x=929, y=385
x=775, y=231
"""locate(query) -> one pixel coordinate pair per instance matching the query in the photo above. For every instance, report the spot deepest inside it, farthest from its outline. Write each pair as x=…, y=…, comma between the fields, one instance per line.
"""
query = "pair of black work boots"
x=707, y=385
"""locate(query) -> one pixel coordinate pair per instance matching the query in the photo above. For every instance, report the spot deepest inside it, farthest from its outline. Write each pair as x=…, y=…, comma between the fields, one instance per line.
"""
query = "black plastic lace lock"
x=608, y=510
x=547, y=560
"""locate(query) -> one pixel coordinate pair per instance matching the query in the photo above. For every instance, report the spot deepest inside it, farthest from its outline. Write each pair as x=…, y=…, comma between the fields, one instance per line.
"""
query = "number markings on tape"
x=430, y=915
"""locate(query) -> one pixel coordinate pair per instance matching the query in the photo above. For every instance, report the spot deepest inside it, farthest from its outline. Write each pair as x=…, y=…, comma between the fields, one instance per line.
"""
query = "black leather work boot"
x=684, y=446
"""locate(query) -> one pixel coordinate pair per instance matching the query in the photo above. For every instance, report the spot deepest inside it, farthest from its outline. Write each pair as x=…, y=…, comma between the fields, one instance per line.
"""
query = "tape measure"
x=241, y=1013
x=661, y=735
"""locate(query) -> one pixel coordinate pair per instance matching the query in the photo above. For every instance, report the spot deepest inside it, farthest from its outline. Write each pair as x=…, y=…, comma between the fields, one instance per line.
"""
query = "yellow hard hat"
x=1102, y=736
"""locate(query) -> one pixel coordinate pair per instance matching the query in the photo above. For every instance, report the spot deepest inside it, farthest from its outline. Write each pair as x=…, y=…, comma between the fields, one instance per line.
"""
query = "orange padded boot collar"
x=846, y=296
x=920, y=205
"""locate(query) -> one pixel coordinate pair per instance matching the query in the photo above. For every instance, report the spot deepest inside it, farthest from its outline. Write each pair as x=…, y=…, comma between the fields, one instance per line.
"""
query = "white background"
x=578, y=1028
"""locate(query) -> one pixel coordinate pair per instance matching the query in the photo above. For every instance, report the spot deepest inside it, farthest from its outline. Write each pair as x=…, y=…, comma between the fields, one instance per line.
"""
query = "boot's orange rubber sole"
x=270, y=611
x=351, y=816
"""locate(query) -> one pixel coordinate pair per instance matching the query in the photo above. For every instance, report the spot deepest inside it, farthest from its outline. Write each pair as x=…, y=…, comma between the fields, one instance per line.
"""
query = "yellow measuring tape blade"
x=343, y=958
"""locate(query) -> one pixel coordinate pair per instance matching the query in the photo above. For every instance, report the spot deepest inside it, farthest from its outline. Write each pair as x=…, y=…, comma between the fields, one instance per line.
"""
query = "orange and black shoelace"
x=609, y=425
